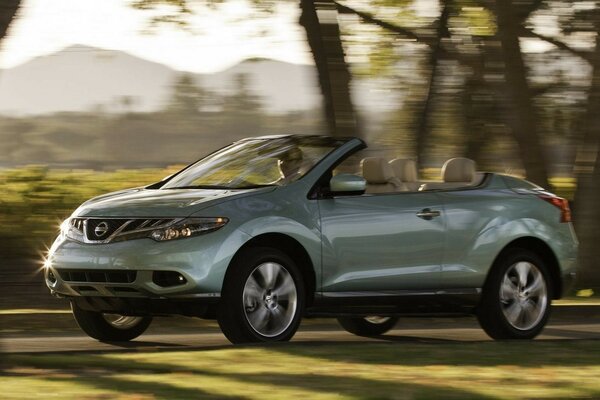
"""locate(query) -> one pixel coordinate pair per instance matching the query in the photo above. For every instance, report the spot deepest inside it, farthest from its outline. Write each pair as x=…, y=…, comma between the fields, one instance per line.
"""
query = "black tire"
x=366, y=326
x=490, y=314
x=234, y=313
x=98, y=327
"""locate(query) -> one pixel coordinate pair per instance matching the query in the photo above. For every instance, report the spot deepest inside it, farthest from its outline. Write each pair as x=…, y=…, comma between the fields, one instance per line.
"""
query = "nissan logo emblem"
x=101, y=229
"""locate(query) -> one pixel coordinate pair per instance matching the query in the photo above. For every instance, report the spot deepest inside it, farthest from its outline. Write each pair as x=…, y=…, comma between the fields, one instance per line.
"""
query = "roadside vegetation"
x=35, y=200
x=402, y=370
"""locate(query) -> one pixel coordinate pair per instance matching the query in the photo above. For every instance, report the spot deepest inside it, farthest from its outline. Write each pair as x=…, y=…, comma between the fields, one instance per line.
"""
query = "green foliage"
x=178, y=12
x=471, y=19
x=36, y=199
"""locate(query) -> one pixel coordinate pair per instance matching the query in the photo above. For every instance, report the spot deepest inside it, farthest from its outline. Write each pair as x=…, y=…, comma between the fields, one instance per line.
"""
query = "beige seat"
x=456, y=172
x=379, y=176
x=406, y=171
x=459, y=170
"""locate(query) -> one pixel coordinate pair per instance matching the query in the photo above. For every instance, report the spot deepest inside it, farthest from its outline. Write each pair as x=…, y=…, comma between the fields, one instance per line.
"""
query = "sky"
x=219, y=39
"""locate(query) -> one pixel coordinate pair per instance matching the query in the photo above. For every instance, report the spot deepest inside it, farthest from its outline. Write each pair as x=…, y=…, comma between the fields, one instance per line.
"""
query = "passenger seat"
x=406, y=171
x=379, y=176
x=459, y=171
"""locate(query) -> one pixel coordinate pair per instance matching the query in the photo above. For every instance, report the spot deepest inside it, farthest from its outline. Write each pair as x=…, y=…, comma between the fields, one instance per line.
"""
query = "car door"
x=381, y=242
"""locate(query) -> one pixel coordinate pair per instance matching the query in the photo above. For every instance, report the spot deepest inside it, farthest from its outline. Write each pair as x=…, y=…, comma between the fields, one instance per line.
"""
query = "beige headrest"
x=458, y=170
x=405, y=170
x=376, y=170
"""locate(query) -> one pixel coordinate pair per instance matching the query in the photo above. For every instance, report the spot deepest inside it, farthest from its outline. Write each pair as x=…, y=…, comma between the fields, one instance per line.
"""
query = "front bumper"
x=129, y=269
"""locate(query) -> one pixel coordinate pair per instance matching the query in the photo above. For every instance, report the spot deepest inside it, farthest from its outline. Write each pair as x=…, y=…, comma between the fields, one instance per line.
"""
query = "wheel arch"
x=543, y=250
x=292, y=248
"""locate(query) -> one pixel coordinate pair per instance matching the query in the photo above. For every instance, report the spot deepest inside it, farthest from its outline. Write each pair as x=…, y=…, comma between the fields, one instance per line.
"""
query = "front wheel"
x=368, y=326
x=262, y=298
x=110, y=327
x=516, y=298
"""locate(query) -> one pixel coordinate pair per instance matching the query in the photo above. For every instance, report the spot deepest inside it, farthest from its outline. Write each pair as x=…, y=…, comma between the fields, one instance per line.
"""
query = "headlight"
x=188, y=227
x=72, y=229
x=119, y=229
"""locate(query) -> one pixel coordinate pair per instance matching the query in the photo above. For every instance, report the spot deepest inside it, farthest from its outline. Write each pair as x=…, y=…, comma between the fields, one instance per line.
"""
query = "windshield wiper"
x=253, y=186
x=201, y=187
x=220, y=187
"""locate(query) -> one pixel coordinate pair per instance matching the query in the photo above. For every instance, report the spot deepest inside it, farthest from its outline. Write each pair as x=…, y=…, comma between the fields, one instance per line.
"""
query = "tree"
x=587, y=162
x=510, y=24
x=8, y=10
x=319, y=20
x=524, y=118
x=187, y=98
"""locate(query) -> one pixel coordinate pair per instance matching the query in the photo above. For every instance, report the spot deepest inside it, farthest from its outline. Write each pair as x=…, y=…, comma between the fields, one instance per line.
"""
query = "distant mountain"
x=83, y=78
x=282, y=86
x=79, y=78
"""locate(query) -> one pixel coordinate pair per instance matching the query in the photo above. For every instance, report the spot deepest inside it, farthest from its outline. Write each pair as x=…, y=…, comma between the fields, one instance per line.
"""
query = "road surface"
x=563, y=326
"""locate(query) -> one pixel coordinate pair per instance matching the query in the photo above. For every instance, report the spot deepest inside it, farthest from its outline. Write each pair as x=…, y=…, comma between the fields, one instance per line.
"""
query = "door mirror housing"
x=347, y=184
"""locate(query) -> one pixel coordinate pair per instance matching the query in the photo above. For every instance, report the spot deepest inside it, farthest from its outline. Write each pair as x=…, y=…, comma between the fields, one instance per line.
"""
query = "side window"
x=374, y=167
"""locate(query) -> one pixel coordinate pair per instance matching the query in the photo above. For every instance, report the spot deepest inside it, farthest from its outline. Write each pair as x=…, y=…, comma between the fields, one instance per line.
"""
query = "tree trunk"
x=587, y=168
x=433, y=60
x=473, y=121
x=319, y=19
x=8, y=10
x=524, y=118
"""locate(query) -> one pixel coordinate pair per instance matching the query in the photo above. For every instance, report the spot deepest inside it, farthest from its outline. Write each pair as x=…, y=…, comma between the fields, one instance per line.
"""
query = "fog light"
x=51, y=277
x=168, y=278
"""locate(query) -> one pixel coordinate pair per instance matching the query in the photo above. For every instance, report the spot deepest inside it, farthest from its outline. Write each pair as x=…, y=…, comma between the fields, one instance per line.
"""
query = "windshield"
x=256, y=162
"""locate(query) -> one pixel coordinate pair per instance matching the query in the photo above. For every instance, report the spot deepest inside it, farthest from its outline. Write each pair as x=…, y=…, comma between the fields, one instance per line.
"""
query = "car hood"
x=140, y=202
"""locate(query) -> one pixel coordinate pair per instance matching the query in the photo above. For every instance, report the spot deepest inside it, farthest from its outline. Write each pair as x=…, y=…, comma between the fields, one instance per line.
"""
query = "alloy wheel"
x=523, y=295
x=121, y=321
x=270, y=299
x=376, y=319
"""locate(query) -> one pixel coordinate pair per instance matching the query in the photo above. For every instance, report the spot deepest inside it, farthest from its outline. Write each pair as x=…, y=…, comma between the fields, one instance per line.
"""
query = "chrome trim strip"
x=143, y=224
x=388, y=293
x=216, y=295
x=119, y=229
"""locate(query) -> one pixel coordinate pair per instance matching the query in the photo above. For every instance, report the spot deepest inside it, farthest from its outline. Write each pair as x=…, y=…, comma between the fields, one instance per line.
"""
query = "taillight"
x=561, y=204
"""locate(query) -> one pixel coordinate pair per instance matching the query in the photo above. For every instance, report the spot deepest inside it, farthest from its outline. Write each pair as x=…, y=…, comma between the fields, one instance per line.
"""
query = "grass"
x=401, y=370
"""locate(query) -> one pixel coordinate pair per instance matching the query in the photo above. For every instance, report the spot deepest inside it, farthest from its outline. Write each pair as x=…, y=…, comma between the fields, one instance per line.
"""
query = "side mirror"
x=347, y=184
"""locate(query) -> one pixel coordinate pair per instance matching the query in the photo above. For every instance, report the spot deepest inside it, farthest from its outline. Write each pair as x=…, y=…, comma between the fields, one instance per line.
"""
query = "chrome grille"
x=93, y=231
x=104, y=230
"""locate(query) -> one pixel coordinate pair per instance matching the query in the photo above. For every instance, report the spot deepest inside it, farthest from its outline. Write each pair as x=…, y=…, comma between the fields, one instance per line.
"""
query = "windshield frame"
x=333, y=142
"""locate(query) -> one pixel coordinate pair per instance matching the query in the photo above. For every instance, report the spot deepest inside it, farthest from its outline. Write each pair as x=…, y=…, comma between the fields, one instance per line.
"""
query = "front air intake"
x=94, y=276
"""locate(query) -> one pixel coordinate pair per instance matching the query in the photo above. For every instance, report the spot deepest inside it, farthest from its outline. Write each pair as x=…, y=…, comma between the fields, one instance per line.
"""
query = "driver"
x=290, y=164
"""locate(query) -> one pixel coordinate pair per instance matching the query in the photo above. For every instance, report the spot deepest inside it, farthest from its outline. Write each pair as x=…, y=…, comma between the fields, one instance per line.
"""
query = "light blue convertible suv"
x=270, y=229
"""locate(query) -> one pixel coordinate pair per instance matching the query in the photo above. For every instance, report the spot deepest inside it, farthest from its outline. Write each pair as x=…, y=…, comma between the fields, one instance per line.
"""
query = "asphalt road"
x=565, y=325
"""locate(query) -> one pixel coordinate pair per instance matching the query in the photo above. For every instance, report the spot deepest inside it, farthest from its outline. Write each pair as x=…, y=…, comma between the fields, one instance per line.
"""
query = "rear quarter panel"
x=481, y=223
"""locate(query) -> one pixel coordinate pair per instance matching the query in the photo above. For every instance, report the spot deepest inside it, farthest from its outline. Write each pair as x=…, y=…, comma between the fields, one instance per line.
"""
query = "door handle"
x=428, y=214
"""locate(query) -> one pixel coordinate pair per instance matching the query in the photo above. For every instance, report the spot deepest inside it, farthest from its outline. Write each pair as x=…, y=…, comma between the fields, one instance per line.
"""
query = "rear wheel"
x=516, y=298
x=262, y=298
x=368, y=326
x=110, y=327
